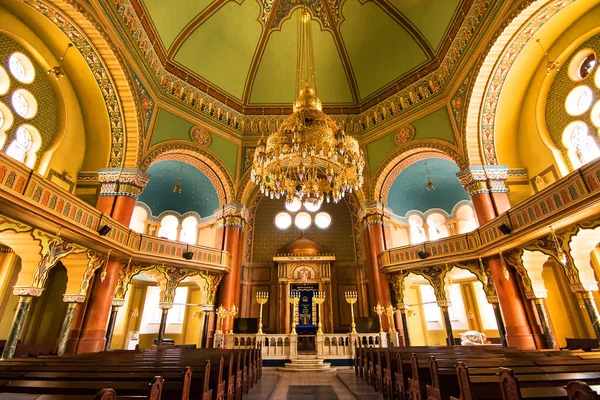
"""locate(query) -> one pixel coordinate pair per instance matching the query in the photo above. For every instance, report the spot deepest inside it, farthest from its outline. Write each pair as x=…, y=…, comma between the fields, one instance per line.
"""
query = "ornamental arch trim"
x=107, y=67
x=201, y=159
x=503, y=51
x=402, y=158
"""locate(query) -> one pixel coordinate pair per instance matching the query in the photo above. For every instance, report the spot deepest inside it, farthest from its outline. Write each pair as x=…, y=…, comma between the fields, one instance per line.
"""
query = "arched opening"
x=47, y=311
x=138, y=219
x=189, y=230
x=169, y=227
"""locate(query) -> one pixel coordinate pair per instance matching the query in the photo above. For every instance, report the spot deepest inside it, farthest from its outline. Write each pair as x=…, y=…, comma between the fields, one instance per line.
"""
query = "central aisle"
x=342, y=385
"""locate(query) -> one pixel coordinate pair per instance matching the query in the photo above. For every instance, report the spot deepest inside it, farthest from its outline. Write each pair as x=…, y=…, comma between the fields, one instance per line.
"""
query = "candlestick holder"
x=389, y=312
x=231, y=313
x=294, y=300
x=261, y=298
x=352, y=298
x=319, y=298
x=221, y=313
x=379, y=310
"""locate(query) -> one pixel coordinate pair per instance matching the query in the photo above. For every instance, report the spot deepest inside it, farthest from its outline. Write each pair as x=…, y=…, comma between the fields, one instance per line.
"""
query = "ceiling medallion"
x=404, y=135
x=201, y=136
x=309, y=158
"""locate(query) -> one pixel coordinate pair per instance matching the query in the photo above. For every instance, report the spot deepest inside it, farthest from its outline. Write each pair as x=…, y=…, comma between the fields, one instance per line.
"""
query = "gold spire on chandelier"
x=430, y=185
x=177, y=187
x=309, y=158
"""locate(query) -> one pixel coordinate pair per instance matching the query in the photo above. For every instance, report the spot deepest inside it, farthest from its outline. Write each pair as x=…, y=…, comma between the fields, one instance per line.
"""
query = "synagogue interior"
x=313, y=185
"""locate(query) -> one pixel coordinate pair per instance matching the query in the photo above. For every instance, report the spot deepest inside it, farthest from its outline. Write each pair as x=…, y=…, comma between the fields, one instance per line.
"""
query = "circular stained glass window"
x=303, y=220
x=4, y=81
x=283, y=220
x=579, y=100
x=323, y=220
x=24, y=103
x=313, y=205
x=21, y=68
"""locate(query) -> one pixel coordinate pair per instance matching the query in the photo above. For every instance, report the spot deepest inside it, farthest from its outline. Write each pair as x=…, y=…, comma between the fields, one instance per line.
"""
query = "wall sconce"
x=57, y=69
x=550, y=65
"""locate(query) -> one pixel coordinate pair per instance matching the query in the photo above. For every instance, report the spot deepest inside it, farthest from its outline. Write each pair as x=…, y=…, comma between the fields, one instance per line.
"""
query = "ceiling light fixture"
x=430, y=185
x=57, y=69
x=550, y=65
x=177, y=187
x=309, y=158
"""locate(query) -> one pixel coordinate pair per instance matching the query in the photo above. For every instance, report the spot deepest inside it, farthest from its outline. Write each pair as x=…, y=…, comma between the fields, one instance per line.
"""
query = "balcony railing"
x=577, y=190
x=45, y=198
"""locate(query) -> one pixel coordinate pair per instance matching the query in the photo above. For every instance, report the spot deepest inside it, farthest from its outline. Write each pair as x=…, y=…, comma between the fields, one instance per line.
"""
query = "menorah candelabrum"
x=319, y=298
x=379, y=309
x=389, y=312
x=221, y=314
x=232, y=312
x=261, y=298
x=351, y=298
x=294, y=300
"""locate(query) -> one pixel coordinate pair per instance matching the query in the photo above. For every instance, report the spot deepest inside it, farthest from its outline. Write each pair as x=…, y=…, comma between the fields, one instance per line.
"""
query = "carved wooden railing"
x=577, y=190
x=45, y=198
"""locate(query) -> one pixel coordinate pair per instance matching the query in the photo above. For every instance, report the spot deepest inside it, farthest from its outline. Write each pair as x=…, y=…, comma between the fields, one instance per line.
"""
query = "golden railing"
x=40, y=202
x=575, y=195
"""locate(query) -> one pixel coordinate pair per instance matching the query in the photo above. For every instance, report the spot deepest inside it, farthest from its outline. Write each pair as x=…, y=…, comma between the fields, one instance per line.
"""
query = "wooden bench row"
x=473, y=372
x=169, y=373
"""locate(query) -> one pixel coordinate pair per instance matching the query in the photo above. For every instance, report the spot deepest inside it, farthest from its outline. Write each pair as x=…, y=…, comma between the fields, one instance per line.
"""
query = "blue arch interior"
x=409, y=190
x=197, y=194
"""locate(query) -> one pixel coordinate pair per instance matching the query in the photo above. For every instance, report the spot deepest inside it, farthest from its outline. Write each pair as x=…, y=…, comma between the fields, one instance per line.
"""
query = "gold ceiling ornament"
x=309, y=158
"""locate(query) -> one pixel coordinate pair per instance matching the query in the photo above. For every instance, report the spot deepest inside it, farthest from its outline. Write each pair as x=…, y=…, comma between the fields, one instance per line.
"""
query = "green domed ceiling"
x=246, y=49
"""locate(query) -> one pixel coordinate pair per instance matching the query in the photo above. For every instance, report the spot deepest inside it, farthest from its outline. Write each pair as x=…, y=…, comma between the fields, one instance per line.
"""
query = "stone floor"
x=342, y=385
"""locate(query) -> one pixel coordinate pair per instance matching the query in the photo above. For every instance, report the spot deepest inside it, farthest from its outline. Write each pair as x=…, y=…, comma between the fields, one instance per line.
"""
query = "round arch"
x=201, y=159
x=500, y=56
x=399, y=160
x=113, y=79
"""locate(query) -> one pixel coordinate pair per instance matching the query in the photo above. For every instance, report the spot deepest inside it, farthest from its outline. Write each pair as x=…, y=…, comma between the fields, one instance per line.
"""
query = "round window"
x=303, y=220
x=24, y=103
x=323, y=220
x=6, y=117
x=582, y=65
x=21, y=67
x=4, y=81
x=283, y=220
x=579, y=100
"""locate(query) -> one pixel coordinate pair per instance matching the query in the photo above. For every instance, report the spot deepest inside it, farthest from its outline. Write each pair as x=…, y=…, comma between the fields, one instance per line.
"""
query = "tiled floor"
x=342, y=385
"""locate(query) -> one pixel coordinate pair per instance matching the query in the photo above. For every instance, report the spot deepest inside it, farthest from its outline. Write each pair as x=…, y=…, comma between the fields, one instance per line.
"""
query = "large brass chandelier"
x=309, y=159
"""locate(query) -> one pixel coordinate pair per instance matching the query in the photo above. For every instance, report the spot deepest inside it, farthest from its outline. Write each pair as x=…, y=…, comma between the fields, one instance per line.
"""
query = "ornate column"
x=493, y=300
x=518, y=332
x=116, y=304
x=207, y=310
x=487, y=188
x=497, y=176
x=163, y=322
x=232, y=218
x=72, y=302
x=120, y=188
x=372, y=215
x=584, y=292
x=443, y=305
x=26, y=295
x=403, y=331
x=542, y=310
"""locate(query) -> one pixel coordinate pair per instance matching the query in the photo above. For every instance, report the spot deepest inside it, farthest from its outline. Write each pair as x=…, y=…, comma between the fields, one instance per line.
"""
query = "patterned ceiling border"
x=112, y=98
x=492, y=75
x=405, y=156
x=417, y=91
x=205, y=162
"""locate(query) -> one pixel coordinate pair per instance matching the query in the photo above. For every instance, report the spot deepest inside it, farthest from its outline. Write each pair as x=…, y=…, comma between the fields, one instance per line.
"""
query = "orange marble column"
x=118, y=194
x=518, y=332
x=232, y=220
x=372, y=216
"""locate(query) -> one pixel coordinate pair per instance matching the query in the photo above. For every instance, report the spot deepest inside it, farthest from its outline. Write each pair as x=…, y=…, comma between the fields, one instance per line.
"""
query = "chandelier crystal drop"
x=309, y=159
